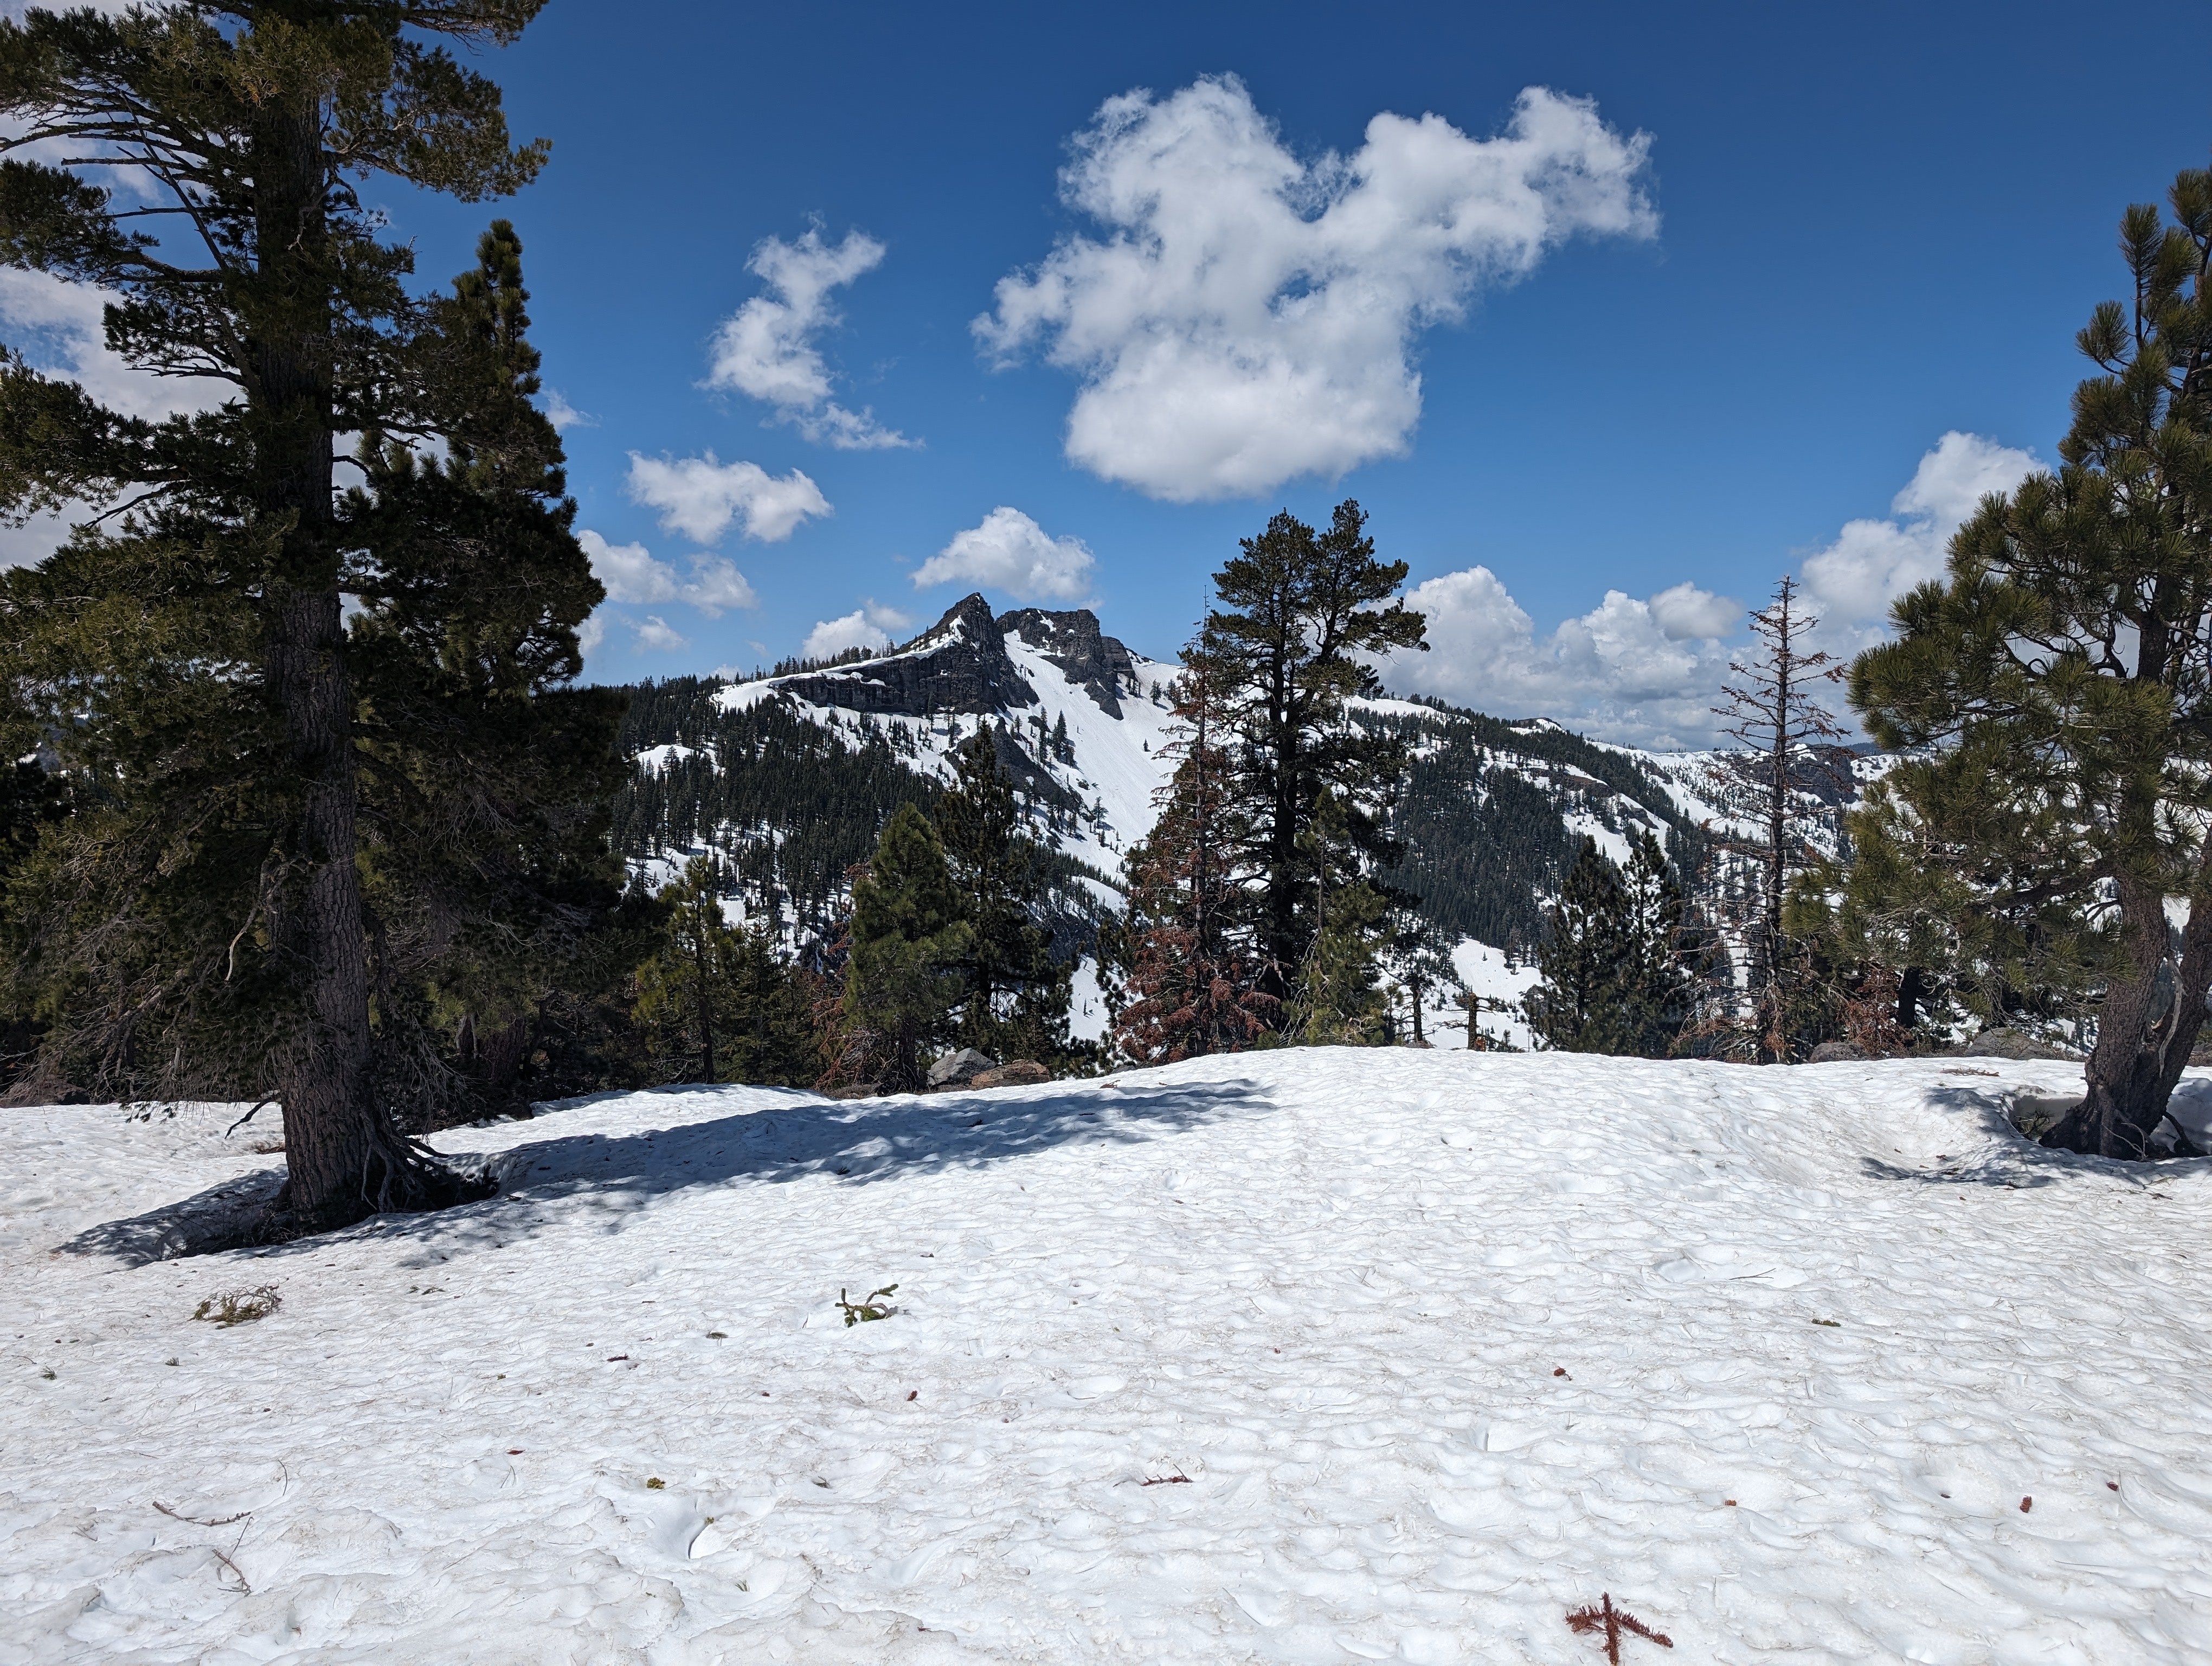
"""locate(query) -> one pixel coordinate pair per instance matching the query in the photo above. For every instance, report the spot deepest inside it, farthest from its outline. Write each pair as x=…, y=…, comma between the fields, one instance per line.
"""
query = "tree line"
x=307, y=805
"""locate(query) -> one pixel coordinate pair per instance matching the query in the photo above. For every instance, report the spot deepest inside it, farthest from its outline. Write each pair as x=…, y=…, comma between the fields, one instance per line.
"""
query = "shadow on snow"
x=853, y=1142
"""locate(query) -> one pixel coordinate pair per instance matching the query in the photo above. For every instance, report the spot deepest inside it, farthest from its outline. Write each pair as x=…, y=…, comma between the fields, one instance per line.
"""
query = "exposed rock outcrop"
x=1098, y=663
x=959, y=665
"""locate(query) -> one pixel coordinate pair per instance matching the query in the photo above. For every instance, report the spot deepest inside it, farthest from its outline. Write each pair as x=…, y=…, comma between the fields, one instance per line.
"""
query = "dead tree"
x=1768, y=705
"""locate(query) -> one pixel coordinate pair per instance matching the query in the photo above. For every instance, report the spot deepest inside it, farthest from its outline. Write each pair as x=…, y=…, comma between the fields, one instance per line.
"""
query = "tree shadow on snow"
x=852, y=1142
x=2009, y=1160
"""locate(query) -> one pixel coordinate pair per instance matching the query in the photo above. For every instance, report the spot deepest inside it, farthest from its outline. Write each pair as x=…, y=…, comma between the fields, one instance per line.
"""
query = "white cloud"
x=765, y=348
x=833, y=637
x=1647, y=672
x=591, y=632
x=57, y=326
x=866, y=626
x=1852, y=582
x=656, y=636
x=1248, y=317
x=700, y=498
x=563, y=414
x=1009, y=552
x=631, y=574
x=1636, y=672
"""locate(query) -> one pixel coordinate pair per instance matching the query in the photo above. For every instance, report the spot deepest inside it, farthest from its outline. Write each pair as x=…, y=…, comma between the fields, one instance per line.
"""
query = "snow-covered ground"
x=1306, y=1357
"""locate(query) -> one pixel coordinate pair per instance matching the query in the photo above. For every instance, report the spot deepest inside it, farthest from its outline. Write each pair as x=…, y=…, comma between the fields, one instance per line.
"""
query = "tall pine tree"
x=1615, y=979
x=1301, y=614
x=192, y=651
x=2055, y=688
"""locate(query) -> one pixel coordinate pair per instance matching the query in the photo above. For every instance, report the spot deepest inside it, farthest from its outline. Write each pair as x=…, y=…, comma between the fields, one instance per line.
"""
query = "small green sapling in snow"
x=874, y=1307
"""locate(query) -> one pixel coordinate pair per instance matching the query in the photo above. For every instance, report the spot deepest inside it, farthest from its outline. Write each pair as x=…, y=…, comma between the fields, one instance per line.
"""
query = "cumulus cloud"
x=868, y=626
x=56, y=325
x=592, y=633
x=765, y=348
x=632, y=574
x=700, y=498
x=1852, y=582
x=655, y=636
x=1647, y=672
x=1010, y=552
x=1637, y=672
x=1247, y=317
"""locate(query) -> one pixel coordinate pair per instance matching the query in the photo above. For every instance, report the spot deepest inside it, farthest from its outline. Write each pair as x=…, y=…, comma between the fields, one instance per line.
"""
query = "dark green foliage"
x=242, y=900
x=2054, y=691
x=1485, y=844
x=1612, y=958
x=1301, y=615
x=1014, y=998
x=908, y=939
x=1339, y=1001
x=716, y=1003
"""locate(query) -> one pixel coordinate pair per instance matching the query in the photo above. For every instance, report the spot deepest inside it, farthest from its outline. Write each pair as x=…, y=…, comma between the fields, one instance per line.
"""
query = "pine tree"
x=1301, y=617
x=1769, y=705
x=1588, y=958
x=716, y=999
x=1667, y=952
x=1339, y=1002
x=908, y=939
x=1421, y=960
x=193, y=652
x=1015, y=1000
x=1191, y=973
x=1618, y=957
x=2052, y=690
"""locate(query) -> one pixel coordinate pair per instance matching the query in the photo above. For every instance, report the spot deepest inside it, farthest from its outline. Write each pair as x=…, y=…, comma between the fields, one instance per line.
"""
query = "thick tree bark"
x=2145, y=1031
x=344, y=1156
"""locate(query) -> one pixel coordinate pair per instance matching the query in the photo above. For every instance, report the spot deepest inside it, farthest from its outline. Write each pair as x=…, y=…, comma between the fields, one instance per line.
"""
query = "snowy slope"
x=1305, y=1357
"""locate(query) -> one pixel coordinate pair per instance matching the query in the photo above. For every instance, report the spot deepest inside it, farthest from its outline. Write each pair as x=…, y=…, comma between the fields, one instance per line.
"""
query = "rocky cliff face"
x=959, y=665
x=1096, y=663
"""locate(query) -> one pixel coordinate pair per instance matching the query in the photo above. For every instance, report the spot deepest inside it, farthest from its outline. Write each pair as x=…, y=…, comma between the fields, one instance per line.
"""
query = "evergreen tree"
x=1613, y=974
x=192, y=656
x=1015, y=1001
x=908, y=939
x=1301, y=615
x=1587, y=958
x=2053, y=691
x=717, y=999
x=1339, y=1002
x=1190, y=969
x=1420, y=961
x=1667, y=952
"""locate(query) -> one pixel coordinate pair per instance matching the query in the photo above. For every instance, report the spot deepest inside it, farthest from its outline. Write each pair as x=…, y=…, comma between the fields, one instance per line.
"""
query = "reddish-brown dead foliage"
x=1605, y=1618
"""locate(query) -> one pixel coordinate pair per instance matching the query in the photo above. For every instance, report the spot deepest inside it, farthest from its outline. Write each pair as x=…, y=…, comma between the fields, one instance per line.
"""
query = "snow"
x=1336, y=1290
x=1483, y=970
x=1086, y=1007
x=654, y=759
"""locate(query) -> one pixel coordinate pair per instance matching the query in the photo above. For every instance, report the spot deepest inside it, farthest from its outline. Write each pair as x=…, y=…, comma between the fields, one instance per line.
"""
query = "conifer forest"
x=1349, y=1115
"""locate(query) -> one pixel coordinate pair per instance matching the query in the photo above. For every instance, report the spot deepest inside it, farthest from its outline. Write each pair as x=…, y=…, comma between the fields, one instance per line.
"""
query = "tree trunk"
x=345, y=1157
x=2146, y=1030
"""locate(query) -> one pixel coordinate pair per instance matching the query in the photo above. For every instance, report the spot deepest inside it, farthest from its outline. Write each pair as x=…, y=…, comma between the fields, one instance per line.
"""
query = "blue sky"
x=1690, y=367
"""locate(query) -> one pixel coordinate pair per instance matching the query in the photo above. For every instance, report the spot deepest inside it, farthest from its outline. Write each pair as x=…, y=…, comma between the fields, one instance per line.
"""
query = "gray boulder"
x=958, y=1069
